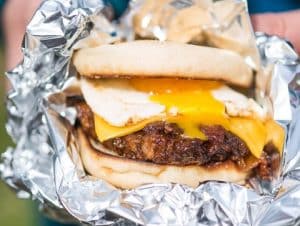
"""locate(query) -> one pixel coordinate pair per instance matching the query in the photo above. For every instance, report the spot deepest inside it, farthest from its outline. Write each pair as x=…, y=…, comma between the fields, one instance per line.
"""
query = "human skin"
x=16, y=15
x=285, y=25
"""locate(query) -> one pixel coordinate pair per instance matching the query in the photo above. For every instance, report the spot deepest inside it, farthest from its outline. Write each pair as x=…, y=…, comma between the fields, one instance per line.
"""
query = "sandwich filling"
x=180, y=122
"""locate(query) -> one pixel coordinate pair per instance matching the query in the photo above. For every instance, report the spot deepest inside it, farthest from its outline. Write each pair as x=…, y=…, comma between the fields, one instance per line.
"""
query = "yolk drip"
x=191, y=100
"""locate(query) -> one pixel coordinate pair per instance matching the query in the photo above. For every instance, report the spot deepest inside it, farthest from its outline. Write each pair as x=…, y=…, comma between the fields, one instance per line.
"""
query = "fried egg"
x=122, y=102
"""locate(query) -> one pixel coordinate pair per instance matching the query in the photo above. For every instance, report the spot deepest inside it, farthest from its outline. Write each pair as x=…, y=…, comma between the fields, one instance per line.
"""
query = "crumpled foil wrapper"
x=45, y=163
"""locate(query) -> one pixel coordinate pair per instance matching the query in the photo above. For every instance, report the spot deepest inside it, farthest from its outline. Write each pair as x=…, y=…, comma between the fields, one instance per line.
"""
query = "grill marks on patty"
x=165, y=143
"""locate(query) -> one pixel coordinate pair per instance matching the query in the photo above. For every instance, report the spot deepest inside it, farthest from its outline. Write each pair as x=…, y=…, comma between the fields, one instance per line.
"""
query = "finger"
x=285, y=25
x=15, y=18
x=272, y=24
x=13, y=29
x=292, y=24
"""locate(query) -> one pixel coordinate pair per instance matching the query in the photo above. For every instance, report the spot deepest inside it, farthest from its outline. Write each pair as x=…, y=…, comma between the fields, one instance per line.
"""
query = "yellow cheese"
x=190, y=126
x=252, y=132
x=194, y=106
x=106, y=131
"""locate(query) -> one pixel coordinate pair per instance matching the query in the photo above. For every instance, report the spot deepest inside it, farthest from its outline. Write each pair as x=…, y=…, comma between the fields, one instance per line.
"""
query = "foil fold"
x=45, y=163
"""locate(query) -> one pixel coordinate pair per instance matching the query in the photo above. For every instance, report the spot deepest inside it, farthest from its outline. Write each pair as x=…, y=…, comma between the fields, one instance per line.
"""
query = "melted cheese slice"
x=190, y=103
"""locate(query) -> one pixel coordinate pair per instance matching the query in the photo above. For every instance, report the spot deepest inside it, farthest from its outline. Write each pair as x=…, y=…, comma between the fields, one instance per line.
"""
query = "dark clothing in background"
x=119, y=6
x=264, y=6
x=254, y=6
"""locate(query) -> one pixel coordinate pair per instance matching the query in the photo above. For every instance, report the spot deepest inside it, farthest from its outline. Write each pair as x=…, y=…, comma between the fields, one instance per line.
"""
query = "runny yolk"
x=190, y=100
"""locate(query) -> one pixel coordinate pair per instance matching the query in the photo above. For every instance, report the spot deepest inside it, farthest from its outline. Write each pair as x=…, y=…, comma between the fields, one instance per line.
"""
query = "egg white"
x=237, y=104
x=117, y=102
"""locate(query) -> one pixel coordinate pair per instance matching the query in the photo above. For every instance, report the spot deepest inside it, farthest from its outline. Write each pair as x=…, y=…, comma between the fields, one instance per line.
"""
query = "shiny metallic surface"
x=45, y=164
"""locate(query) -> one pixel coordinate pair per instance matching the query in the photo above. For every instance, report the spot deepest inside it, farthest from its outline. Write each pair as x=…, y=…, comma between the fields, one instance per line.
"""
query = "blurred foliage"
x=13, y=211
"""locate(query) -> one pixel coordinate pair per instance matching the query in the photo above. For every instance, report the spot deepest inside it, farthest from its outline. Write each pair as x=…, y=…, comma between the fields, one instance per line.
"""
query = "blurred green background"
x=13, y=211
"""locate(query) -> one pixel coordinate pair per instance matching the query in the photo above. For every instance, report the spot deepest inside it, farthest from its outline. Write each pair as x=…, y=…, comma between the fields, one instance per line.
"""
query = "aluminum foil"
x=45, y=163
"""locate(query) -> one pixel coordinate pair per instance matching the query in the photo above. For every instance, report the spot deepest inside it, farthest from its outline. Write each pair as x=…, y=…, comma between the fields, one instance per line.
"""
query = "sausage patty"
x=165, y=143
